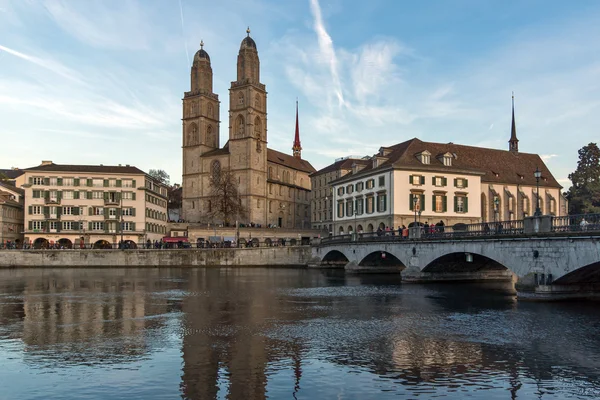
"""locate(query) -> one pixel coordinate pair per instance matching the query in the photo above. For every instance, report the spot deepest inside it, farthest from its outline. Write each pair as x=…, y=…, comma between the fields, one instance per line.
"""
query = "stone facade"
x=11, y=214
x=273, y=187
x=95, y=206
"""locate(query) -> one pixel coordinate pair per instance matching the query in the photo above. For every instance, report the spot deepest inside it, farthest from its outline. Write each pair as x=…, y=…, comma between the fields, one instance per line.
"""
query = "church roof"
x=494, y=166
x=218, y=152
x=287, y=160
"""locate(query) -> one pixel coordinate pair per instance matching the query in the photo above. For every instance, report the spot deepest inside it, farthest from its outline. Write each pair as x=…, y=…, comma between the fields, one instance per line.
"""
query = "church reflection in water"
x=241, y=329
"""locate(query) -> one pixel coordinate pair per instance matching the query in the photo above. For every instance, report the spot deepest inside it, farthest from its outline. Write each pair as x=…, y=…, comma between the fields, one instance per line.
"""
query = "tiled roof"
x=11, y=173
x=299, y=164
x=9, y=187
x=94, y=169
x=495, y=166
x=341, y=164
x=218, y=152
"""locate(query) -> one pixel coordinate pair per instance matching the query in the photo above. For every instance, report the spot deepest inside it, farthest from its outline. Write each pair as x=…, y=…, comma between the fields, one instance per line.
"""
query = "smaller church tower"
x=513, y=143
x=297, y=147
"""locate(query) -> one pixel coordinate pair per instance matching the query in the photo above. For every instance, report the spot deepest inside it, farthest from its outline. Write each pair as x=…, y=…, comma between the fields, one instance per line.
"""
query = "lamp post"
x=538, y=175
x=122, y=222
x=415, y=201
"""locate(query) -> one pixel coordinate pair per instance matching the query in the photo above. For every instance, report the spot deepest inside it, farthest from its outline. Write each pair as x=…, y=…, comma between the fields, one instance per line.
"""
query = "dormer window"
x=446, y=158
x=448, y=161
x=424, y=157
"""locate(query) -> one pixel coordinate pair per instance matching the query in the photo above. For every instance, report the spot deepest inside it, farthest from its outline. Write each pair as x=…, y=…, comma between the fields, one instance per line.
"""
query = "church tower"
x=200, y=129
x=248, y=131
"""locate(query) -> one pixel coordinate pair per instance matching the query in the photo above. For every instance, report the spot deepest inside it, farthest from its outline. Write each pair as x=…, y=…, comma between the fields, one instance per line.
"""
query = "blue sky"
x=101, y=82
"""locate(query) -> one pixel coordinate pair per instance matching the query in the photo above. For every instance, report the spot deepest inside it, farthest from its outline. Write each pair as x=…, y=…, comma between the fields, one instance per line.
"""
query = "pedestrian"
x=583, y=224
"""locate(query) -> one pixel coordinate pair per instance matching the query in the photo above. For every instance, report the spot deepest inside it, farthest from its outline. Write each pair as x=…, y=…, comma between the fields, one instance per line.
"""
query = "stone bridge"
x=553, y=266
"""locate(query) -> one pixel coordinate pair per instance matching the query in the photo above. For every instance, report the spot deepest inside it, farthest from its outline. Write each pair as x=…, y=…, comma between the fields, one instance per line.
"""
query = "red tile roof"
x=345, y=163
x=287, y=160
x=495, y=166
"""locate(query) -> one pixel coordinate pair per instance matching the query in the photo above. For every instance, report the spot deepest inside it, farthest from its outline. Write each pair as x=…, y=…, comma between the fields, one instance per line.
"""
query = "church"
x=273, y=187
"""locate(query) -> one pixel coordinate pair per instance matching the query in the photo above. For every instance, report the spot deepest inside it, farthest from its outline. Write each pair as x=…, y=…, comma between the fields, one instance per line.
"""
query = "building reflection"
x=86, y=316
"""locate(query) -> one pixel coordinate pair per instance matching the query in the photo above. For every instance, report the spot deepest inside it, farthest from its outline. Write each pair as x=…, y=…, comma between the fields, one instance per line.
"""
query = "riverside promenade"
x=285, y=256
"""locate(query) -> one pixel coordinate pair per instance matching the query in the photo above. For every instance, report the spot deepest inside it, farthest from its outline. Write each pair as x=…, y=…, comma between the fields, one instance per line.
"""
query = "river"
x=257, y=333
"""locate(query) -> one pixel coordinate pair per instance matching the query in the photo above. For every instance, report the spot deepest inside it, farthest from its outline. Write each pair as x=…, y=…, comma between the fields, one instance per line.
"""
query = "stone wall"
x=272, y=256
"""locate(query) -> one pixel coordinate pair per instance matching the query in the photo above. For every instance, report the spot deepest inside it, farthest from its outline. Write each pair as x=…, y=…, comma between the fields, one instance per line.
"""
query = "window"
x=53, y=225
x=258, y=203
x=439, y=203
x=381, y=181
x=424, y=157
x=461, y=183
x=370, y=183
x=112, y=212
x=67, y=210
x=98, y=182
x=97, y=195
x=349, y=207
x=360, y=206
x=112, y=182
x=36, y=210
x=349, y=189
x=340, y=191
x=98, y=226
x=447, y=160
x=381, y=202
x=360, y=186
x=127, y=195
x=270, y=188
x=53, y=181
x=370, y=204
x=340, y=210
x=68, y=182
x=416, y=179
x=67, y=195
x=127, y=226
x=127, y=183
x=416, y=202
x=37, y=194
x=270, y=206
x=98, y=211
x=37, y=225
x=37, y=180
x=461, y=204
x=67, y=225
x=439, y=181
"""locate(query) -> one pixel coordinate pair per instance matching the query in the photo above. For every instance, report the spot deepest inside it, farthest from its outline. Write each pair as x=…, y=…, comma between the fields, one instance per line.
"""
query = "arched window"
x=270, y=175
x=193, y=134
x=241, y=99
x=216, y=169
x=257, y=101
x=257, y=128
x=209, y=135
x=239, y=127
x=194, y=108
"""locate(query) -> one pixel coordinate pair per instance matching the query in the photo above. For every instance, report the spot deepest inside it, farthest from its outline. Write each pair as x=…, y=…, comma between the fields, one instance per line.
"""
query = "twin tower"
x=247, y=103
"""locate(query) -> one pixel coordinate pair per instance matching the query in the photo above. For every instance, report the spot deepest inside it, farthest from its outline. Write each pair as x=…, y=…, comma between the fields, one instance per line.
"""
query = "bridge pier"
x=415, y=275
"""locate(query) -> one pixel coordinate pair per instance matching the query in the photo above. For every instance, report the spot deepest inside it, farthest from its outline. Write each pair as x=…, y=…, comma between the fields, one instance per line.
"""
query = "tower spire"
x=297, y=148
x=513, y=143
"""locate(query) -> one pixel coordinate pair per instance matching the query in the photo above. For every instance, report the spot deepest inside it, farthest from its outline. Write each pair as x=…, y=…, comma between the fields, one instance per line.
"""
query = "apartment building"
x=95, y=206
x=11, y=214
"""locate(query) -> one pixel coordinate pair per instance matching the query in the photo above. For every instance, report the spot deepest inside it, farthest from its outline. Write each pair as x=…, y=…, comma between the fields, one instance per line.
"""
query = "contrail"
x=187, y=54
x=326, y=47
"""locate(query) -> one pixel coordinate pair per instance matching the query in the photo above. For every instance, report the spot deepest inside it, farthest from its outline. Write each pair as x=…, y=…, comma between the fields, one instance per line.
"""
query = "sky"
x=101, y=81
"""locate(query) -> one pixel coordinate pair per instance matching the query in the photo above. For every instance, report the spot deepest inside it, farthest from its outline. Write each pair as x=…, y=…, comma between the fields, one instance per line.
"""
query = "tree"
x=160, y=176
x=3, y=177
x=584, y=194
x=174, y=195
x=224, y=203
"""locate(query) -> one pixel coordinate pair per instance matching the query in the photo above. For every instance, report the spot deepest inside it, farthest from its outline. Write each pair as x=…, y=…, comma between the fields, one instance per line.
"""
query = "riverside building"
x=92, y=205
x=431, y=182
x=11, y=214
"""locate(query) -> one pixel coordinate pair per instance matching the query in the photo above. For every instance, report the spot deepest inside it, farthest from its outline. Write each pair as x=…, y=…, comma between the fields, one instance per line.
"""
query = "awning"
x=170, y=239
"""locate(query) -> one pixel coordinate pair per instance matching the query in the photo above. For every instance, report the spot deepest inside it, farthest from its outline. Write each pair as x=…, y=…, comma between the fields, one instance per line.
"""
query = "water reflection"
x=273, y=333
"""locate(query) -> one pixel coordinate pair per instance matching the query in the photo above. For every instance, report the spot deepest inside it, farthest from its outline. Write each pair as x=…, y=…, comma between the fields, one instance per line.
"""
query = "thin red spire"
x=297, y=148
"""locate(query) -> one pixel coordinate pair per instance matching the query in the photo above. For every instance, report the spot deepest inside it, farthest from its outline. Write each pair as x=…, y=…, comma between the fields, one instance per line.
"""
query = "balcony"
x=112, y=201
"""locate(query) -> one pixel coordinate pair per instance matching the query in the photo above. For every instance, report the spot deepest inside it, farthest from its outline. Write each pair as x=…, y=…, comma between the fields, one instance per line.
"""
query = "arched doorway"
x=359, y=228
x=102, y=244
x=341, y=230
x=129, y=244
x=65, y=243
x=370, y=228
x=268, y=242
x=40, y=243
x=382, y=226
x=350, y=229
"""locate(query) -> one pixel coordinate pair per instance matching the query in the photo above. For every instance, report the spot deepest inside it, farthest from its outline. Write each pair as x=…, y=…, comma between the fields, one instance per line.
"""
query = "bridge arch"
x=335, y=257
x=381, y=258
x=588, y=274
x=463, y=262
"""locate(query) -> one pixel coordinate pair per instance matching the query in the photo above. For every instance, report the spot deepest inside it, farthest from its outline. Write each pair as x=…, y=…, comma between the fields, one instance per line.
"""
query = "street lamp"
x=415, y=201
x=538, y=175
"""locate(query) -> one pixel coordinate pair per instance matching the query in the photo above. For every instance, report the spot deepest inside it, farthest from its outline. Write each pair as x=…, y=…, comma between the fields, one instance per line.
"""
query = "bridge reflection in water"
x=258, y=333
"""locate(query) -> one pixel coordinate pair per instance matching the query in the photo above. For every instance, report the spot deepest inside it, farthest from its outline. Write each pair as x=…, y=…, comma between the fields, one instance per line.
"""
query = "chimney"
x=46, y=162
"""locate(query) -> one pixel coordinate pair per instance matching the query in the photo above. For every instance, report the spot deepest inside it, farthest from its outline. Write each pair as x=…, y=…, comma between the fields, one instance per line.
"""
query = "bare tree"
x=224, y=202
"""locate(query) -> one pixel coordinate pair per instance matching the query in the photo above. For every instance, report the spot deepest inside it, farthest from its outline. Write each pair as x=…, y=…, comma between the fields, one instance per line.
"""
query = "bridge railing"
x=576, y=223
